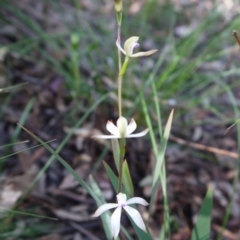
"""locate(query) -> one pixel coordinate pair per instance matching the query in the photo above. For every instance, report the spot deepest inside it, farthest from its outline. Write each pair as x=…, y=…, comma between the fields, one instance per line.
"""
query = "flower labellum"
x=122, y=130
x=122, y=203
x=129, y=46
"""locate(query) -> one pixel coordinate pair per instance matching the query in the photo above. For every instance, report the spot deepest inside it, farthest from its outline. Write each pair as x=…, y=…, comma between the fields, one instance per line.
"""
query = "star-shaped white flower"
x=116, y=216
x=122, y=130
x=129, y=46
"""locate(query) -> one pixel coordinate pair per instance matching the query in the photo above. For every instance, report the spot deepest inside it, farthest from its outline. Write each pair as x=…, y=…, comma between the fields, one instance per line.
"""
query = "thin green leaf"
x=140, y=233
x=160, y=157
x=202, y=227
x=11, y=144
x=23, y=118
x=127, y=180
x=116, y=152
x=1, y=158
x=27, y=214
x=14, y=87
x=113, y=178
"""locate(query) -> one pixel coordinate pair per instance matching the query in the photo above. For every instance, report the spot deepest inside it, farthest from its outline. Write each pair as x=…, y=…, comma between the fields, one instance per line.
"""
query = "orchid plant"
x=121, y=131
x=122, y=203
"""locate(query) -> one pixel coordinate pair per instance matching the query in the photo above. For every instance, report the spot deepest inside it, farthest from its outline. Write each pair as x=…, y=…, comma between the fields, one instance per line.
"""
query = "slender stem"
x=122, y=70
x=119, y=69
x=120, y=76
x=122, y=144
x=119, y=95
x=119, y=52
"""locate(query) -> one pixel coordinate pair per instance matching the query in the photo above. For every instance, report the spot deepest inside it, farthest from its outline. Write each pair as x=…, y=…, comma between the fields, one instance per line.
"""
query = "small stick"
x=236, y=37
x=205, y=148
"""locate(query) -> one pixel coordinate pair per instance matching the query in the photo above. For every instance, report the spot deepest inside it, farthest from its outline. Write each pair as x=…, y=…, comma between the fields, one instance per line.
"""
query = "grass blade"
x=1, y=158
x=202, y=227
x=116, y=152
x=113, y=178
x=26, y=214
x=160, y=157
x=127, y=180
x=11, y=144
x=14, y=87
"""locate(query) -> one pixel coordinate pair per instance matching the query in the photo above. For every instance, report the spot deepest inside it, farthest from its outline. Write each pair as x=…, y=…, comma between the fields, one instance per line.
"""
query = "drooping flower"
x=122, y=130
x=129, y=46
x=122, y=203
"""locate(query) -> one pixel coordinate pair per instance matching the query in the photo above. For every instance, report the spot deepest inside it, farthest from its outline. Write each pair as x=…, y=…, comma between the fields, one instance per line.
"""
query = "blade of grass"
x=11, y=144
x=27, y=214
x=5, y=104
x=127, y=180
x=202, y=227
x=160, y=171
x=113, y=178
x=99, y=160
x=1, y=158
x=14, y=87
x=116, y=152
x=23, y=118
x=140, y=233
x=18, y=129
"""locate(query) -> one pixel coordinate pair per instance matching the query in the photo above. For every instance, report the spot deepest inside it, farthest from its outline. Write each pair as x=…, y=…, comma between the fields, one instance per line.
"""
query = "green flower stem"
x=120, y=76
x=122, y=144
x=119, y=52
x=119, y=18
x=122, y=70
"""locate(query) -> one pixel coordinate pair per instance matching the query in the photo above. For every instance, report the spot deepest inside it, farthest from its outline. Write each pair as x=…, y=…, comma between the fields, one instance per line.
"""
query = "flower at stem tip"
x=122, y=130
x=129, y=46
x=122, y=203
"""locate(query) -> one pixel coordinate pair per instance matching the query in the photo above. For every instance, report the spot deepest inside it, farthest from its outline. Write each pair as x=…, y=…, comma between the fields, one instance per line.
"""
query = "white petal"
x=136, y=217
x=136, y=135
x=137, y=200
x=122, y=126
x=120, y=48
x=115, y=222
x=104, y=208
x=131, y=126
x=105, y=136
x=112, y=129
x=143, y=54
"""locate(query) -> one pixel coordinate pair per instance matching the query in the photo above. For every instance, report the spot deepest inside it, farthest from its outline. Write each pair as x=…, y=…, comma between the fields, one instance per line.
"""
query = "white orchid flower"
x=123, y=203
x=122, y=130
x=129, y=46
